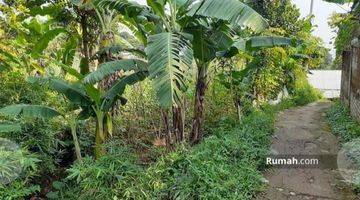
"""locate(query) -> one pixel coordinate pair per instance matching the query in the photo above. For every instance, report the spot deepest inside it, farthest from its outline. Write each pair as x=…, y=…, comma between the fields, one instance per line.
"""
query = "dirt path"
x=304, y=131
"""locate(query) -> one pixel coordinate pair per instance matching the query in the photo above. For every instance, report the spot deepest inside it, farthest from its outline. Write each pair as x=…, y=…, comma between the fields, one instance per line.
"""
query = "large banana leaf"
x=44, y=41
x=119, y=48
x=203, y=46
x=25, y=110
x=111, y=67
x=75, y=93
x=170, y=57
x=9, y=127
x=233, y=11
x=268, y=41
x=253, y=44
x=124, y=7
x=115, y=92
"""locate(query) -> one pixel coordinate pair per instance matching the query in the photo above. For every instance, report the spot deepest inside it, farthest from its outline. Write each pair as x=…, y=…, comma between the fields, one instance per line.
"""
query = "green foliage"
x=17, y=167
x=113, y=175
x=280, y=14
x=347, y=29
x=44, y=41
x=343, y=125
x=303, y=93
x=167, y=67
x=109, y=68
x=15, y=90
x=233, y=11
x=225, y=166
x=25, y=110
x=269, y=75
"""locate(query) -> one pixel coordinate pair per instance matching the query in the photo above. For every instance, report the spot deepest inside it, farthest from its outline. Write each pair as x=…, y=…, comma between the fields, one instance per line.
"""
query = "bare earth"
x=304, y=131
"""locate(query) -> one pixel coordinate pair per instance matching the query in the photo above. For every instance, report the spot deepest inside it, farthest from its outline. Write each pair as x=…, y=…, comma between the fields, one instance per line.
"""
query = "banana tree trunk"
x=165, y=118
x=178, y=123
x=196, y=134
x=73, y=126
x=85, y=50
x=99, y=135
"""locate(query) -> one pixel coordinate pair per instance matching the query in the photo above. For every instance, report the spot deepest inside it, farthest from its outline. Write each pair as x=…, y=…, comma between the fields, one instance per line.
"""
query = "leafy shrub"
x=269, y=74
x=17, y=168
x=38, y=137
x=114, y=174
x=342, y=124
x=225, y=166
x=14, y=90
x=303, y=92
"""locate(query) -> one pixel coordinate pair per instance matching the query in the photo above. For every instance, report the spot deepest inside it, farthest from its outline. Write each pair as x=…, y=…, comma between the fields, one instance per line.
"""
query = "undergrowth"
x=226, y=165
x=344, y=126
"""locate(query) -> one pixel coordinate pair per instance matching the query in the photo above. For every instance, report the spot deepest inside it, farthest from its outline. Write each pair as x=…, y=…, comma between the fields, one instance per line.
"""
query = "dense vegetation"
x=347, y=27
x=115, y=100
x=343, y=125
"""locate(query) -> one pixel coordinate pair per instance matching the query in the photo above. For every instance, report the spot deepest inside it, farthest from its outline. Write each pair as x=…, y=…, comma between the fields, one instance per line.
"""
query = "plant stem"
x=73, y=126
x=99, y=135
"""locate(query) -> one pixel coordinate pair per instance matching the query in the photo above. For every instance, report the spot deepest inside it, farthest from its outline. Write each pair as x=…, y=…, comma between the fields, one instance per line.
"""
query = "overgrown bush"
x=225, y=166
x=302, y=92
x=342, y=124
x=14, y=90
x=17, y=168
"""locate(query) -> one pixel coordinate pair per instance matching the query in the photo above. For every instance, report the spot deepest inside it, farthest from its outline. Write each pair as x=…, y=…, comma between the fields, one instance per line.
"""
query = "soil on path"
x=304, y=131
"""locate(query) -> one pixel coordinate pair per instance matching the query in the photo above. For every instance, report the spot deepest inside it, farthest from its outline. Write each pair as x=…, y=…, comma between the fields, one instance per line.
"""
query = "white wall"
x=328, y=81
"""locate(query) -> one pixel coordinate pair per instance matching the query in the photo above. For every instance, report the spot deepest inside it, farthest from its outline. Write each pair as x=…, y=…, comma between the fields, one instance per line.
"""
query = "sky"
x=322, y=12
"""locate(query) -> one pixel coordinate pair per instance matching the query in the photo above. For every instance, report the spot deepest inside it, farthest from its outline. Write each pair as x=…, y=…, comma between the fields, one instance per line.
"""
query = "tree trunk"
x=165, y=118
x=196, y=134
x=75, y=140
x=85, y=50
x=178, y=123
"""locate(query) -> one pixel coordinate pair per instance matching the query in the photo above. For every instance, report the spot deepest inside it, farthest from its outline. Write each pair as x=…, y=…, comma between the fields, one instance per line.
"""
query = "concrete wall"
x=327, y=81
x=350, y=83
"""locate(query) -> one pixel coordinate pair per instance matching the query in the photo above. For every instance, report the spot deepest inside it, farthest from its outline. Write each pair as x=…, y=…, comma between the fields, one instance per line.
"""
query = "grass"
x=226, y=165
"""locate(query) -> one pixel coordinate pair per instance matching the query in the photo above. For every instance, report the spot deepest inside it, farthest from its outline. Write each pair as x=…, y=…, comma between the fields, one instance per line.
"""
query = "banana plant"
x=188, y=33
x=43, y=112
x=94, y=102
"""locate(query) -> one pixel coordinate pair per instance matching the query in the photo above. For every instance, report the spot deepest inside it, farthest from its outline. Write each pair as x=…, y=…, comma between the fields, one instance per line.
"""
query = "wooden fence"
x=350, y=81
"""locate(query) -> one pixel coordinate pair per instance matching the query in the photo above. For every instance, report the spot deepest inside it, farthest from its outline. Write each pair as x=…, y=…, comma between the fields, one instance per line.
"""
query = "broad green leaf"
x=36, y=111
x=170, y=57
x=112, y=67
x=75, y=93
x=233, y=11
x=69, y=51
x=9, y=127
x=268, y=41
x=115, y=92
x=118, y=48
x=203, y=47
x=44, y=41
x=124, y=7
x=158, y=6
